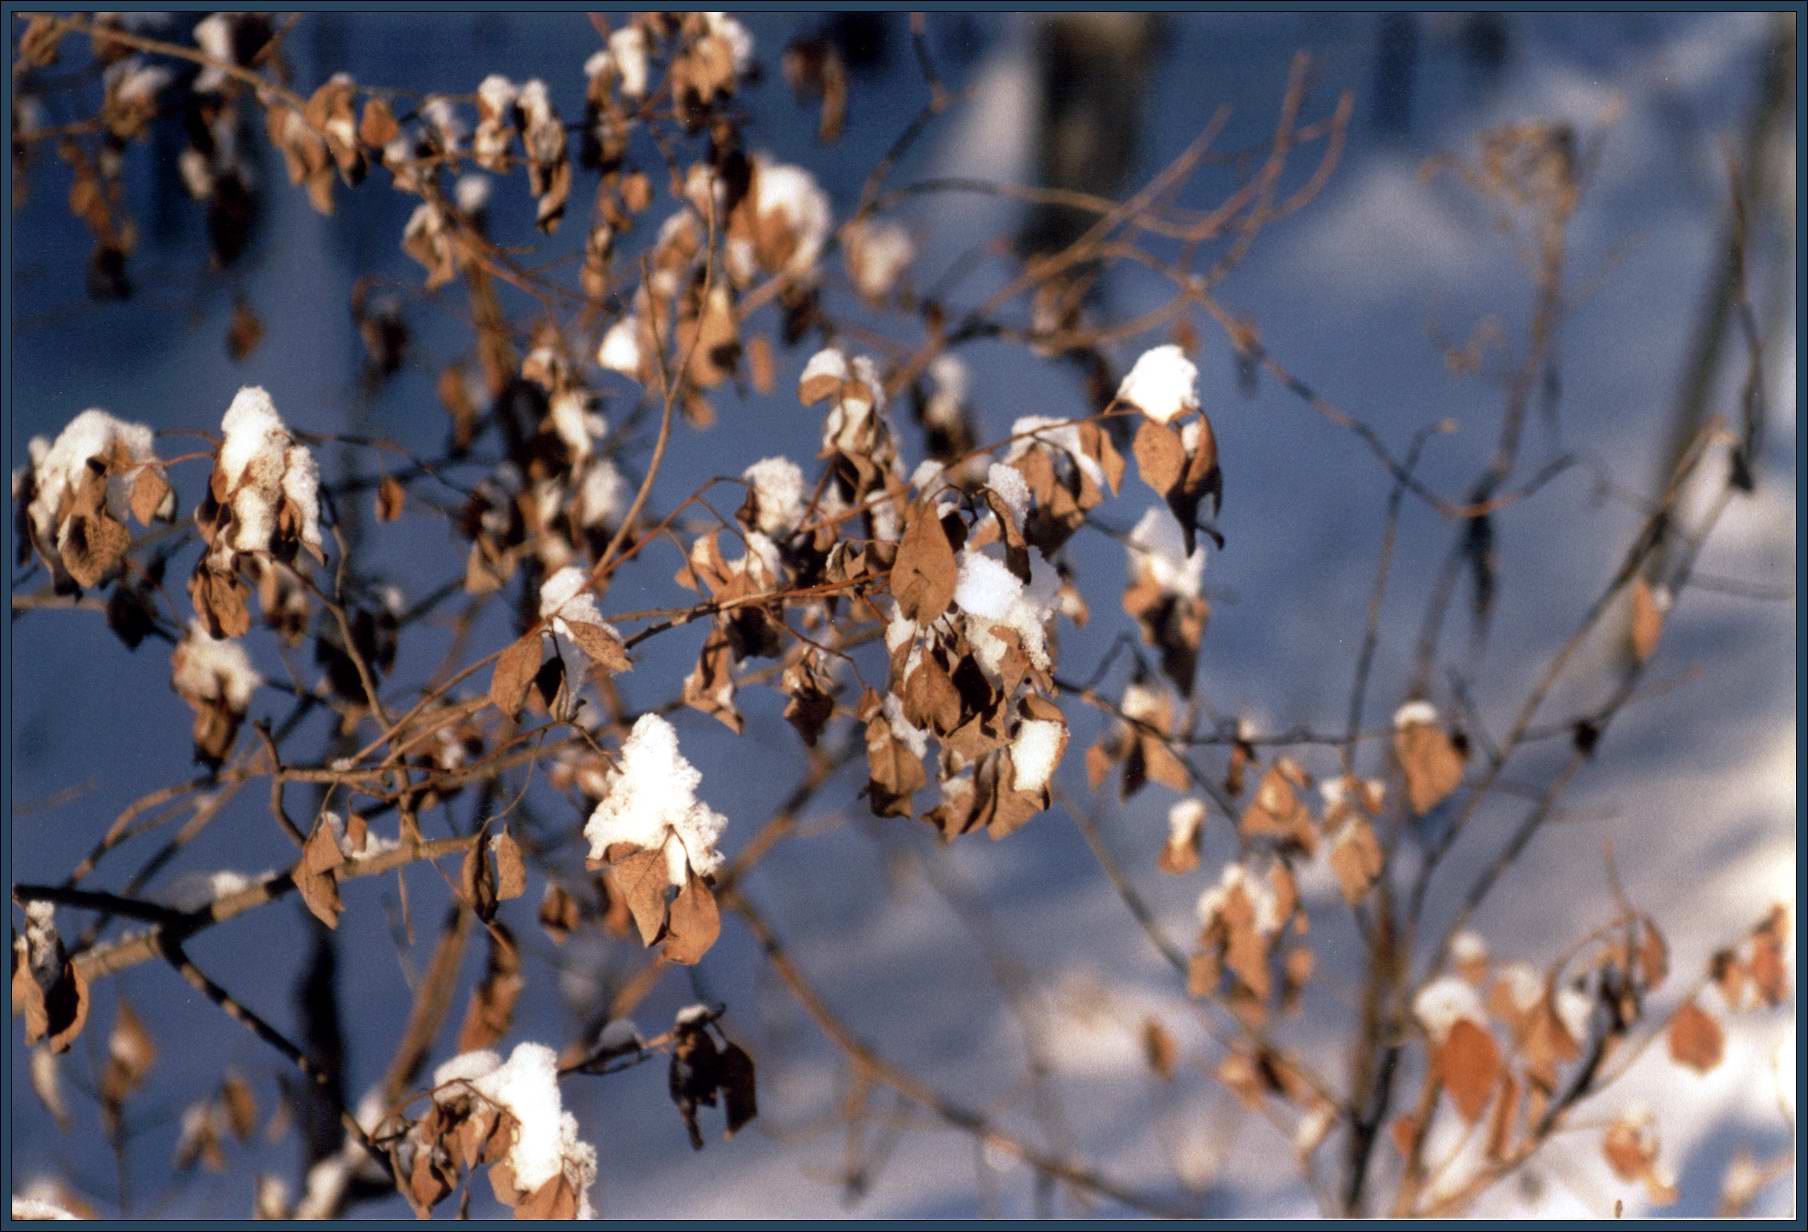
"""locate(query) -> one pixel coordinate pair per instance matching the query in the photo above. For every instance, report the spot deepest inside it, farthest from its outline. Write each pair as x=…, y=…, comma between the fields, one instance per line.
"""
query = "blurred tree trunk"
x=1760, y=190
x=1093, y=74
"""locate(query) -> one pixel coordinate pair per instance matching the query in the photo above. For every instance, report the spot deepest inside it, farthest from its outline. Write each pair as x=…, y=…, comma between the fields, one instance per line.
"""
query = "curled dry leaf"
x=391, y=497
x=1647, y=619
x=514, y=673
x=637, y=876
x=1468, y=1063
x=1696, y=1038
x=923, y=575
x=603, y=647
x=1356, y=859
x=240, y=1103
x=693, y=923
x=315, y=877
x=1631, y=1147
x=477, y=880
x=492, y=1007
x=511, y=872
x=558, y=913
x=150, y=491
x=48, y=986
x=701, y=1072
x=1276, y=811
x=130, y=1054
x=1159, y=1048
x=1432, y=763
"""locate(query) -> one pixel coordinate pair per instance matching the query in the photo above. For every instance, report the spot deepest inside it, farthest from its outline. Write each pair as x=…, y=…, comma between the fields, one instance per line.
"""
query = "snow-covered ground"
x=1696, y=784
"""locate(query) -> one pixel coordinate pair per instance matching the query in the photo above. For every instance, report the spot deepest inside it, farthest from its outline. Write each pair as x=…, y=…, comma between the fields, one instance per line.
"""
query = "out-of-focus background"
x=1362, y=294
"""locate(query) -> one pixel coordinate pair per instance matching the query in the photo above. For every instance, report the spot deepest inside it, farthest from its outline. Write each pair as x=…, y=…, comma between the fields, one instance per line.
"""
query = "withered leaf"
x=477, y=880
x=243, y=332
x=149, y=490
x=555, y=1199
x=93, y=546
x=55, y=1014
x=739, y=1097
x=1647, y=620
x=558, y=913
x=378, y=127
x=391, y=497
x=492, y=1007
x=1432, y=763
x=1696, y=1038
x=1402, y=1133
x=930, y=698
x=638, y=877
x=1160, y=457
x=511, y=873
x=1653, y=954
x=693, y=924
x=1468, y=1063
x=130, y=1054
x=241, y=1106
x=1356, y=859
x=1159, y=1049
x=922, y=577
x=514, y=674
x=603, y=647
x=1506, y=1114
x=1276, y=811
x=219, y=600
x=314, y=874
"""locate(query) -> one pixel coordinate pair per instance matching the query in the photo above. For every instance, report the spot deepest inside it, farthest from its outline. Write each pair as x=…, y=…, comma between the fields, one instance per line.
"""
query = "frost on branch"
x=73, y=498
x=651, y=832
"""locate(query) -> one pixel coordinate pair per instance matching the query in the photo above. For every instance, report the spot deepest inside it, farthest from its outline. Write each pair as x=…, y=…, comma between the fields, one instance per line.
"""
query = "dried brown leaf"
x=638, y=877
x=1432, y=763
x=922, y=576
x=1468, y=1063
x=1696, y=1038
x=314, y=874
x=514, y=674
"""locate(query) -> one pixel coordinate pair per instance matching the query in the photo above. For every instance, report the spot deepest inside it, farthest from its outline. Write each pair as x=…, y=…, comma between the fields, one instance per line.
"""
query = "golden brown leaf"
x=638, y=877
x=314, y=875
x=1647, y=620
x=1160, y=457
x=149, y=490
x=391, y=497
x=693, y=924
x=1468, y=1063
x=922, y=576
x=514, y=674
x=1696, y=1038
x=1431, y=762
